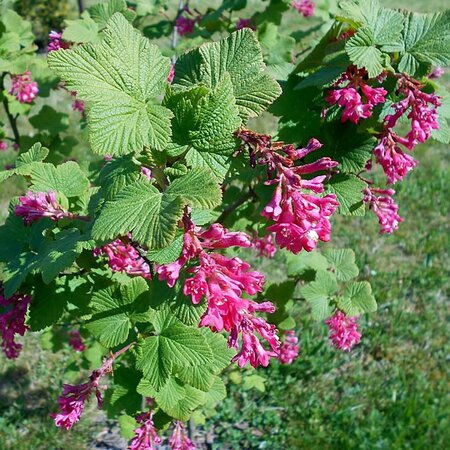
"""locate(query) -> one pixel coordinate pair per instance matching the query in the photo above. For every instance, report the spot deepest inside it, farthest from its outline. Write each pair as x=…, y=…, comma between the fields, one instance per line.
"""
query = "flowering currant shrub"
x=149, y=252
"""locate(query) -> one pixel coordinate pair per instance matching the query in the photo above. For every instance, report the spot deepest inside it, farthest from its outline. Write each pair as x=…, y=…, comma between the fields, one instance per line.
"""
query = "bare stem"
x=181, y=6
x=12, y=119
x=80, y=6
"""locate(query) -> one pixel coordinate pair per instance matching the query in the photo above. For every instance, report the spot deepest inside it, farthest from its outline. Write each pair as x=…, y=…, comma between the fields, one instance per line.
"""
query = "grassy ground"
x=390, y=393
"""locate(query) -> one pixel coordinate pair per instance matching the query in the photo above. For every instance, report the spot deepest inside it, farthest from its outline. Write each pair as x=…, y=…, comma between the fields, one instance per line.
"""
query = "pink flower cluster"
x=344, y=333
x=349, y=96
x=383, y=205
x=289, y=348
x=34, y=206
x=77, y=105
x=76, y=341
x=56, y=42
x=179, y=440
x=245, y=23
x=146, y=436
x=12, y=322
x=223, y=281
x=437, y=72
x=264, y=246
x=3, y=146
x=73, y=399
x=421, y=109
x=23, y=87
x=304, y=7
x=185, y=25
x=171, y=74
x=123, y=257
x=301, y=219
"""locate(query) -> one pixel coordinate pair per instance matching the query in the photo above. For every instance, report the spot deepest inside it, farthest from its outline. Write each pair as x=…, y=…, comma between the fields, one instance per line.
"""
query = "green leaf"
x=216, y=393
x=140, y=208
x=174, y=346
x=363, y=53
x=426, y=40
x=116, y=309
x=14, y=23
x=255, y=382
x=67, y=179
x=357, y=299
x=177, y=400
x=305, y=261
x=239, y=55
x=49, y=120
x=318, y=292
x=124, y=396
x=119, y=79
x=206, y=120
x=47, y=306
x=349, y=192
x=56, y=255
x=81, y=31
x=168, y=254
x=127, y=426
x=199, y=189
x=342, y=263
x=102, y=12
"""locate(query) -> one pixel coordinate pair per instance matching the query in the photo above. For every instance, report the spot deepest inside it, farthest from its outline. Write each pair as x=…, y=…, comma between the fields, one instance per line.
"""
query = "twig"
x=80, y=6
x=240, y=201
x=181, y=6
x=12, y=120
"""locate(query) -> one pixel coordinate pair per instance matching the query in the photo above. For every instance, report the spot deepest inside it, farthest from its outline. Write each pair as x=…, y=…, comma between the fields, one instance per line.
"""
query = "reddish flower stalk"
x=380, y=201
x=264, y=246
x=421, y=109
x=35, y=206
x=24, y=88
x=76, y=341
x=56, y=42
x=344, y=333
x=304, y=7
x=12, y=322
x=350, y=96
x=245, y=23
x=146, y=437
x=289, y=348
x=223, y=282
x=73, y=399
x=301, y=219
x=179, y=439
x=123, y=257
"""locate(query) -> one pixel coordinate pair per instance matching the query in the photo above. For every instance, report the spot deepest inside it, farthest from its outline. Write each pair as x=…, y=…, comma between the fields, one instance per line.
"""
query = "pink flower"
x=384, y=207
x=78, y=105
x=185, y=25
x=343, y=331
x=34, y=206
x=15, y=146
x=305, y=7
x=421, y=109
x=264, y=246
x=12, y=322
x=301, y=219
x=73, y=399
x=76, y=341
x=146, y=172
x=349, y=97
x=245, y=23
x=123, y=257
x=171, y=74
x=224, y=281
x=396, y=164
x=179, y=440
x=289, y=348
x=3, y=146
x=24, y=88
x=146, y=437
x=437, y=72
x=56, y=42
